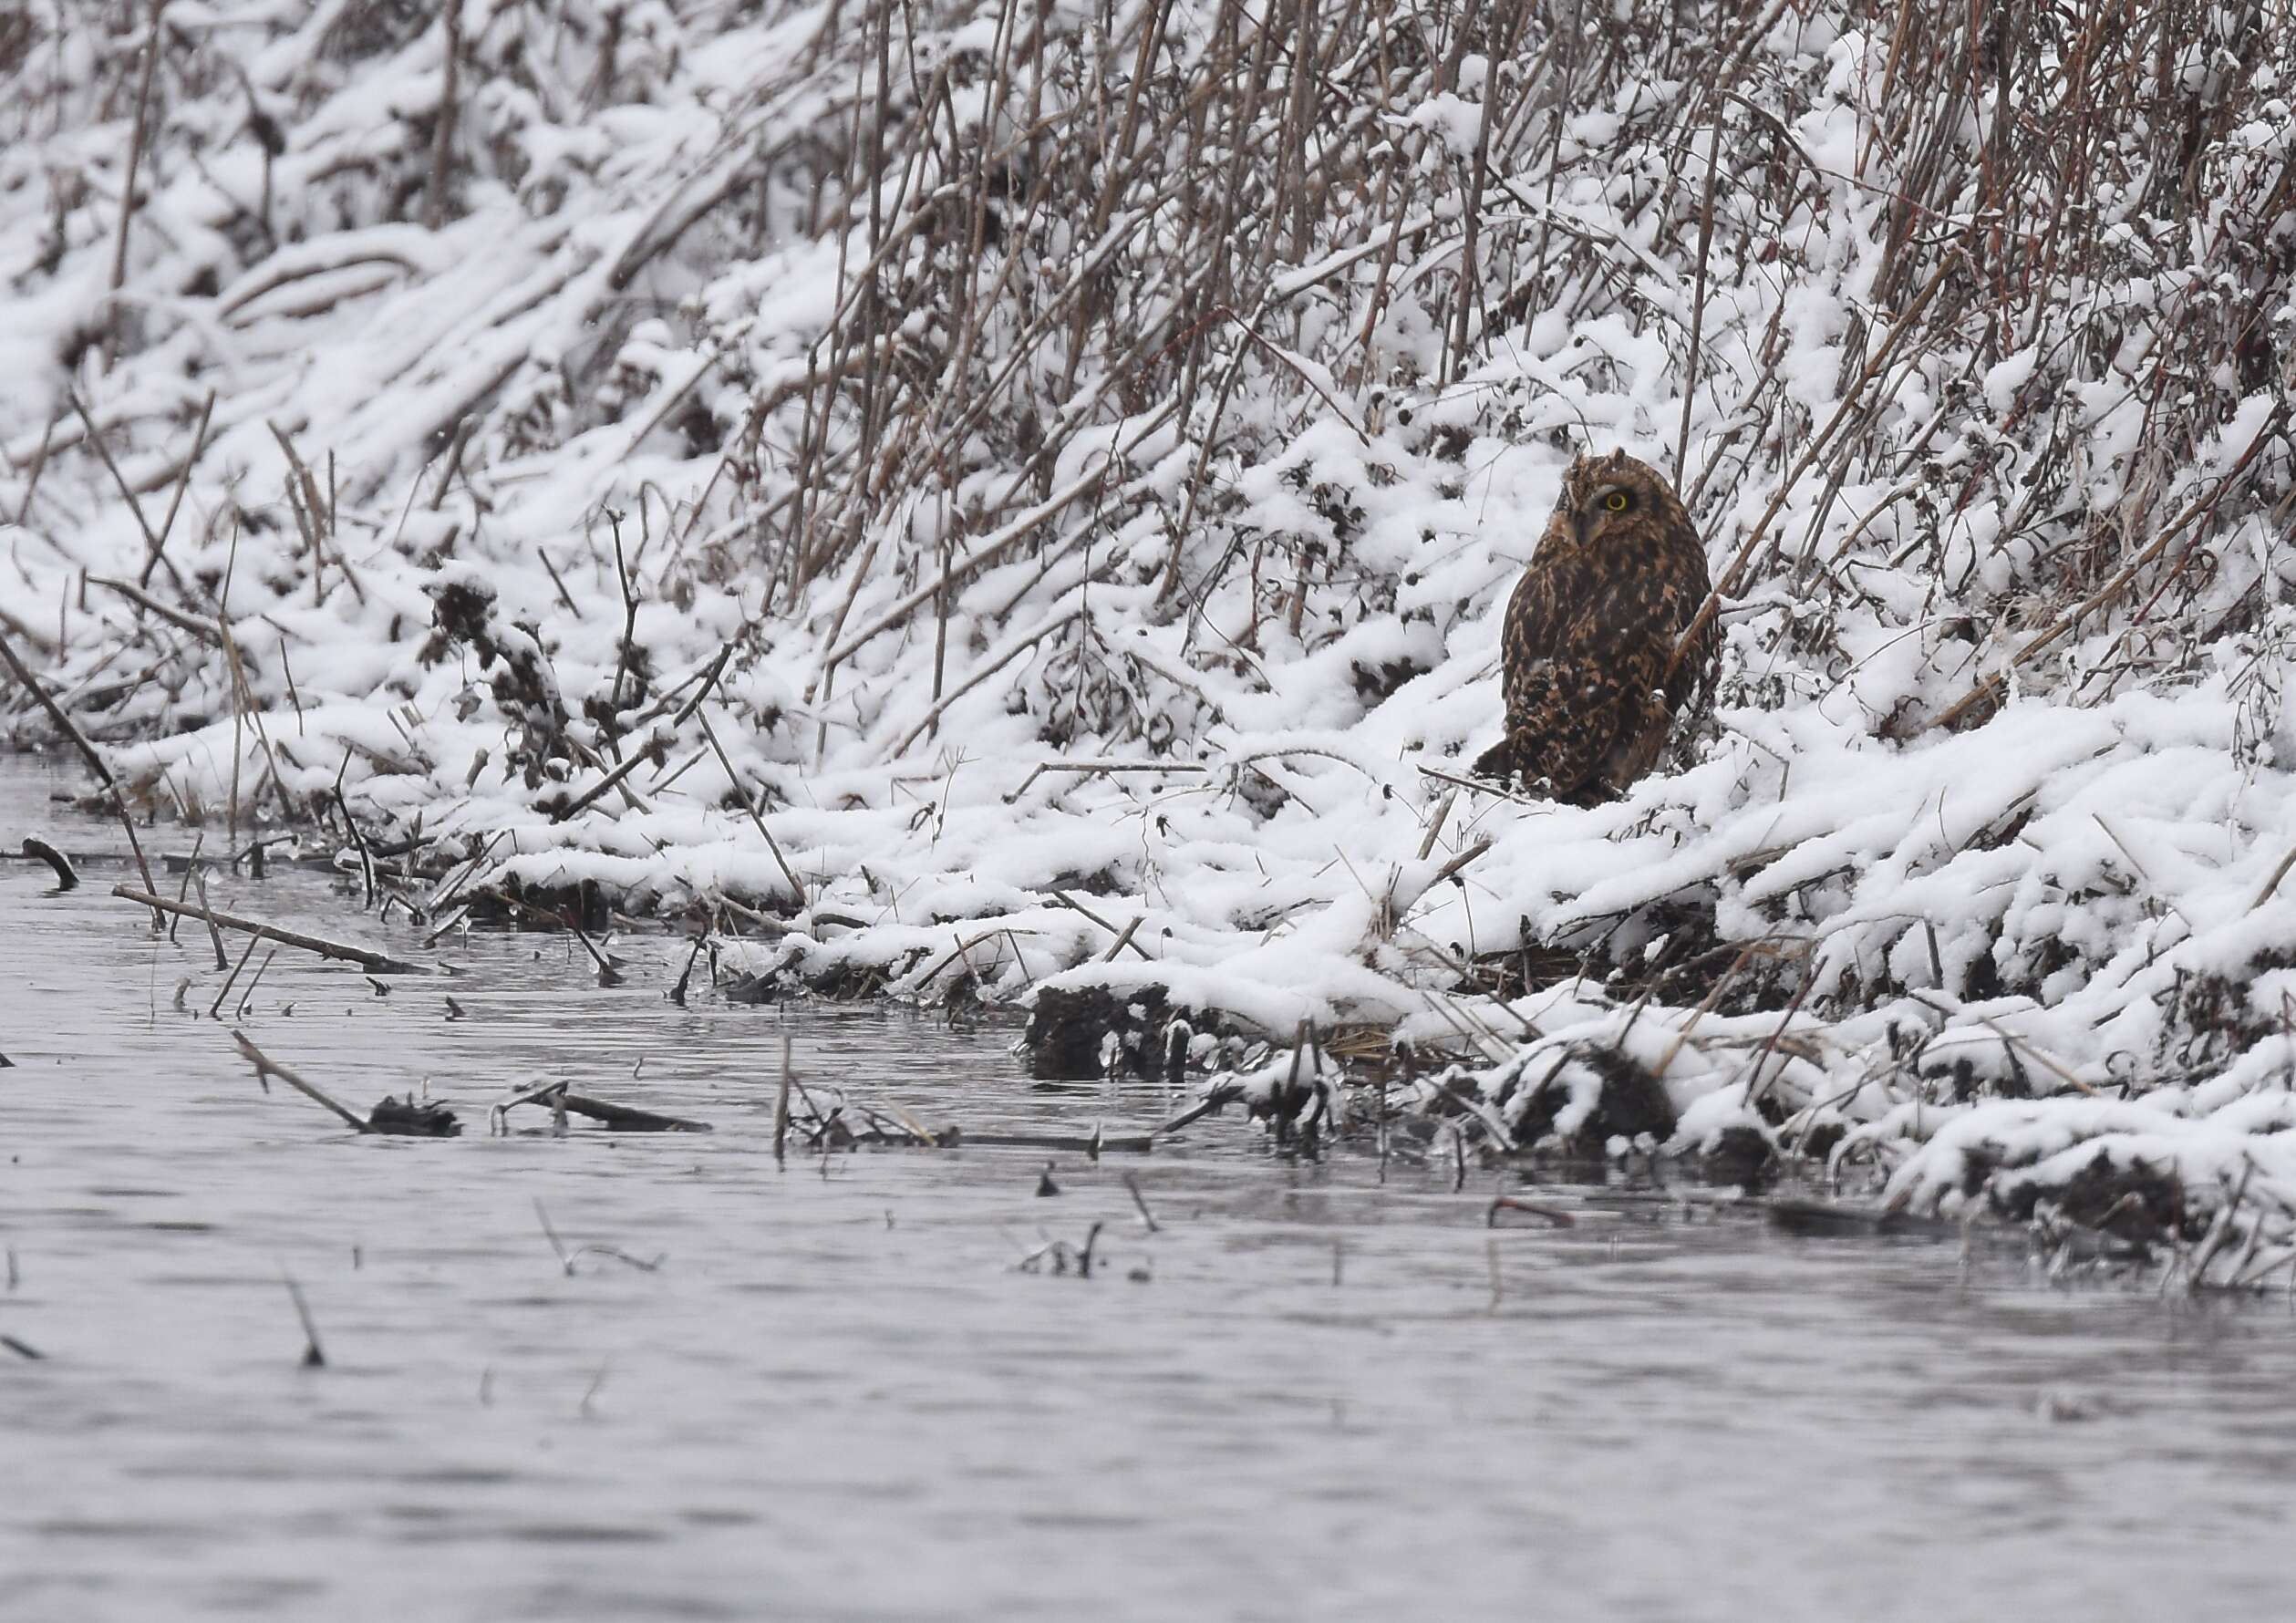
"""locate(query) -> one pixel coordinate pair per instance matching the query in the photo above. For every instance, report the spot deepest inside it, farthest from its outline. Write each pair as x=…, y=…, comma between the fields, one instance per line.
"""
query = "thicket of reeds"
x=1088, y=261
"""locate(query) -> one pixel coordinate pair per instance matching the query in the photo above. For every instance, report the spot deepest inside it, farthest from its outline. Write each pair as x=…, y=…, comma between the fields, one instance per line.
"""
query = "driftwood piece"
x=373, y=962
x=392, y=1118
x=1551, y=1212
x=625, y=1117
x=266, y=1067
x=622, y=1118
x=1213, y=1101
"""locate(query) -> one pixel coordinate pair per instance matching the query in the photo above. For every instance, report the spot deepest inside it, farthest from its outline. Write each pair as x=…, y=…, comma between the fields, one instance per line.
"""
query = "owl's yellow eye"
x=1618, y=502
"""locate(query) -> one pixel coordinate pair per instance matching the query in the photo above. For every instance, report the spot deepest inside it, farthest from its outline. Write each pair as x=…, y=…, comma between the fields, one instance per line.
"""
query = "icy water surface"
x=1307, y=1396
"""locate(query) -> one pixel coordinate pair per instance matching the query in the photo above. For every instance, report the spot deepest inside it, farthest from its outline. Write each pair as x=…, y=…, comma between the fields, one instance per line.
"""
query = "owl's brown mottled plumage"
x=1618, y=577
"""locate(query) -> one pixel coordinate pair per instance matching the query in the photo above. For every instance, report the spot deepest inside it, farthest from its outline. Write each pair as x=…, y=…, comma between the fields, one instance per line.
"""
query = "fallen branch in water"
x=566, y=1259
x=1215, y=1099
x=563, y=1102
x=1509, y=1203
x=266, y=1068
x=393, y=1118
x=373, y=962
x=625, y=1117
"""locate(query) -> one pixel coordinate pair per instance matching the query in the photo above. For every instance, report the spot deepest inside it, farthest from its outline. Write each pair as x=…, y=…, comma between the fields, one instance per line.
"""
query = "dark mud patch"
x=1630, y=1103
x=2137, y=1204
x=1082, y=1033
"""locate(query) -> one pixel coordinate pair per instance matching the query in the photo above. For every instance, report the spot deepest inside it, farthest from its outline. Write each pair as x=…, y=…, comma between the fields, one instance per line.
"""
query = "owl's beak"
x=1582, y=526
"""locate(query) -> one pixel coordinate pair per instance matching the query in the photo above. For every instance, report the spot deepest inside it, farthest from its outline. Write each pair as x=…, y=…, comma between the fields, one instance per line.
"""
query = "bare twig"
x=265, y=1066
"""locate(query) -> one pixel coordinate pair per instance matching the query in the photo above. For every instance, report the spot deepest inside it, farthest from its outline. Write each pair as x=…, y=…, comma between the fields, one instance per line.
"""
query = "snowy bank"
x=964, y=503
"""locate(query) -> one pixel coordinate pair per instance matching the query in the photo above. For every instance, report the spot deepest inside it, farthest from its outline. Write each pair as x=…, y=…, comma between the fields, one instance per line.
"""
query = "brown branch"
x=373, y=962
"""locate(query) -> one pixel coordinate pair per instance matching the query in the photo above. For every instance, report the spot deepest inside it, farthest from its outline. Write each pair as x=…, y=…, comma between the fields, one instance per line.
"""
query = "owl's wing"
x=1693, y=682
x=1546, y=613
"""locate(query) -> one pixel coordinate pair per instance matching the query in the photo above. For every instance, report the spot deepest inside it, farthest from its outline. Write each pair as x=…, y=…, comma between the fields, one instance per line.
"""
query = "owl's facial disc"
x=1605, y=503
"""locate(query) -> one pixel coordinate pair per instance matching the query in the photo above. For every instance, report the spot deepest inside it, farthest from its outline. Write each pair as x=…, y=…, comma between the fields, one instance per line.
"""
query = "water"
x=837, y=1398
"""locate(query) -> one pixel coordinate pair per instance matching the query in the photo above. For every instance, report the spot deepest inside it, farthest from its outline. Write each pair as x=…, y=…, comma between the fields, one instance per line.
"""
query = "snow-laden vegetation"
x=1014, y=501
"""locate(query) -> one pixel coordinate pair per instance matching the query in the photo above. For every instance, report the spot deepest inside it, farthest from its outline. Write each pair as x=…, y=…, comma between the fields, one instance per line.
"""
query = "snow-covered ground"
x=1061, y=468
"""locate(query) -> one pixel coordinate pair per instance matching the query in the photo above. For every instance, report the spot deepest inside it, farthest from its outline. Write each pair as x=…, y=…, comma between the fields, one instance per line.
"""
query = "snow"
x=625, y=360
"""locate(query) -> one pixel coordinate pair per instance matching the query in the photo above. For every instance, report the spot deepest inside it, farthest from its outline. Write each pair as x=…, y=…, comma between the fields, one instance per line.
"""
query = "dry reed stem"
x=137, y=139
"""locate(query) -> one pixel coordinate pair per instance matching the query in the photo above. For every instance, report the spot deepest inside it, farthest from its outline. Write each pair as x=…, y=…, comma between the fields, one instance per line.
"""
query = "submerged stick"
x=231, y=979
x=498, y=1115
x=214, y=935
x=313, y=1358
x=621, y=1116
x=782, y=1105
x=265, y=1066
x=624, y=1117
x=1510, y=1202
x=1215, y=1099
x=373, y=962
x=558, y=1245
x=358, y=839
x=566, y=1259
x=391, y=1118
x=248, y=996
x=1140, y=1200
x=66, y=878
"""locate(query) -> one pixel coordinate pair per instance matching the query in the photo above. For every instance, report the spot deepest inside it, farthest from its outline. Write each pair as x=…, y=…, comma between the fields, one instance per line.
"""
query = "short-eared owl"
x=1617, y=578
